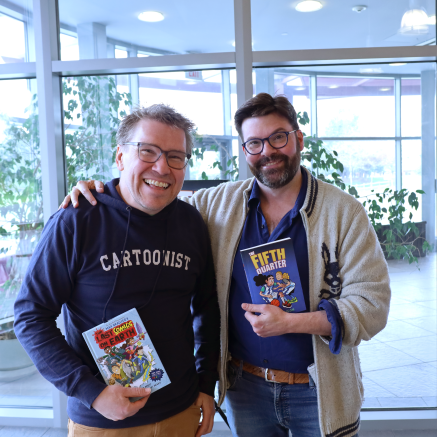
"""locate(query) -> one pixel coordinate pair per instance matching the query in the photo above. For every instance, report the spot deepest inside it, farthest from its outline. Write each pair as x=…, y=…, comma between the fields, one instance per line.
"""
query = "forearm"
x=315, y=322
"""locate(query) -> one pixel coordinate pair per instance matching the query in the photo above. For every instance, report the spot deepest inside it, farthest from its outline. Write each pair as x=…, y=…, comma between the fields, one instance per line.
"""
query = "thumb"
x=251, y=308
x=136, y=392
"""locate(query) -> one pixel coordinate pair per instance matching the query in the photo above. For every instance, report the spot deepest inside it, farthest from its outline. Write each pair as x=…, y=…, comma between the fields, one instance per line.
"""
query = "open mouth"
x=152, y=182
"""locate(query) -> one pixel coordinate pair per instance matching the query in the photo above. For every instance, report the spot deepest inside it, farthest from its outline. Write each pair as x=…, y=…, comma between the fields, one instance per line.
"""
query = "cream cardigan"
x=343, y=250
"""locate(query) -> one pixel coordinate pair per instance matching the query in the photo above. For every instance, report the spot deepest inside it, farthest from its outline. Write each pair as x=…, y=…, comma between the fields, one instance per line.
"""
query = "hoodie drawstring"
x=128, y=209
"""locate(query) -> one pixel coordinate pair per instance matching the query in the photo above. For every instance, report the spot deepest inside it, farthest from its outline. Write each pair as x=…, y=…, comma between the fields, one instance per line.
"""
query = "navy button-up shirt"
x=289, y=352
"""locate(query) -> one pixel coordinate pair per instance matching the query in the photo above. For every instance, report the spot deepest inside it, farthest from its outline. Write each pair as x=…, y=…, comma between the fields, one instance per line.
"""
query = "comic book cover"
x=273, y=276
x=125, y=354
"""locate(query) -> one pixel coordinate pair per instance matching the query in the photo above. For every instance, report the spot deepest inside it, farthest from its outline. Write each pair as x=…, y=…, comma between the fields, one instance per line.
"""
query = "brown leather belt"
x=272, y=375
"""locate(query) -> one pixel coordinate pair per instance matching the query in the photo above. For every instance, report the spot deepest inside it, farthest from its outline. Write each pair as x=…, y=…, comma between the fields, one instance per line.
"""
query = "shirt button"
x=265, y=361
x=262, y=226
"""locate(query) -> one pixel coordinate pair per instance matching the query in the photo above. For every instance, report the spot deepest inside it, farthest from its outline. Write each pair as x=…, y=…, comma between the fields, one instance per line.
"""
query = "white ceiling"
x=207, y=26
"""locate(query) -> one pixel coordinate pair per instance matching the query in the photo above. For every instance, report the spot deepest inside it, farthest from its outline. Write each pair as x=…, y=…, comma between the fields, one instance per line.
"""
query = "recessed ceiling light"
x=300, y=88
x=397, y=64
x=333, y=86
x=384, y=89
x=309, y=6
x=191, y=82
x=151, y=16
x=359, y=8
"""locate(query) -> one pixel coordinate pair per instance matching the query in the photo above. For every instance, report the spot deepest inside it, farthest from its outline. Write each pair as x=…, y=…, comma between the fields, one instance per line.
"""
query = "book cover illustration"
x=272, y=275
x=125, y=354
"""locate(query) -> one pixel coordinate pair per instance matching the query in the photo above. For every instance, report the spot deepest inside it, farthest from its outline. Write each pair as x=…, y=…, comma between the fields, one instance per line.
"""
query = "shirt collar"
x=255, y=194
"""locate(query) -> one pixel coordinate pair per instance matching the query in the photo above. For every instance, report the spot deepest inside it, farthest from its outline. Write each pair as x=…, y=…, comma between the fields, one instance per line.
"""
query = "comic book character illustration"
x=129, y=349
x=279, y=282
x=275, y=293
x=287, y=289
x=112, y=353
x=269, y=295
x=142, y=364
x=119, y=375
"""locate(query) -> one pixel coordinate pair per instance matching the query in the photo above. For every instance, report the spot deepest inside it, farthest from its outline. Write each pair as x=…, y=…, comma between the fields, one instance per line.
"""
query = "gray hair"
x=159, y=112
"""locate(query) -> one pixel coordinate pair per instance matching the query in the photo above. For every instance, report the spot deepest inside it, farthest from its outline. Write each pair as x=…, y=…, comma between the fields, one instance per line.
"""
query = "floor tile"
x=433, y=364
x=401, y=402
x=381, y=356
x=429, y=304
x=400, y=330
x=427, y=323
x=410, y=311
x=417, y=380
x=56, y=432
x=422, y=348
x=12, y=431
x=373, y=390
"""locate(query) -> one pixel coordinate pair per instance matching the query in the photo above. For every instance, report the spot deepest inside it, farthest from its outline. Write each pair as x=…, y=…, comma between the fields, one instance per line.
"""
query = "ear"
x=119, y=157
x=245, y=152
x=300, y=139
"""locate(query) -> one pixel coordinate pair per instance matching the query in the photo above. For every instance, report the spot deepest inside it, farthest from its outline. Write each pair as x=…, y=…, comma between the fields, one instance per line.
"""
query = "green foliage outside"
x=400, y=238
x=90, y=153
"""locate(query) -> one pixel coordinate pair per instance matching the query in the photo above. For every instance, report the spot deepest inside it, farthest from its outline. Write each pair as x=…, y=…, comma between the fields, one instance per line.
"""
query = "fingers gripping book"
x=125, y=354
x=272, y=275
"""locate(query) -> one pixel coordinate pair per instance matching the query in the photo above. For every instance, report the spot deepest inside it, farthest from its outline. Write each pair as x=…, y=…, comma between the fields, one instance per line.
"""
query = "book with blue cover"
x=273, y=277
x=125, y=354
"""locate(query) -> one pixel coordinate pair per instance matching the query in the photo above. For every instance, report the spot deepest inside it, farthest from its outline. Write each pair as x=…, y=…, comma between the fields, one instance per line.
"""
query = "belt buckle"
x=266, y=377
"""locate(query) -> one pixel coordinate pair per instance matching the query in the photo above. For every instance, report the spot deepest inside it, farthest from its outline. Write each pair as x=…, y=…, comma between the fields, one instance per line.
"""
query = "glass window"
x=174, y=27
x=21, y=223
x=340, y=24
x=16, y=32
x=368, y=165
x=359, y=106
x=411, y=107
x=205, y=97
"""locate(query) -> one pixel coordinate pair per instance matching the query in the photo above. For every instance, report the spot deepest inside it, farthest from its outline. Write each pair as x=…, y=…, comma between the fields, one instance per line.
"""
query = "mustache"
x=277, y=157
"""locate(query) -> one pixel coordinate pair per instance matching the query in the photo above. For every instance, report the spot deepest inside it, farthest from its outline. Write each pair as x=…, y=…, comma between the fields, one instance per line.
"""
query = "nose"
x=161, y=166
x=268, y=149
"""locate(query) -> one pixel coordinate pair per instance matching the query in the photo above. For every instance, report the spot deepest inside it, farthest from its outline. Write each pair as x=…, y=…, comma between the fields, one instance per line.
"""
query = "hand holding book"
x=115, y=402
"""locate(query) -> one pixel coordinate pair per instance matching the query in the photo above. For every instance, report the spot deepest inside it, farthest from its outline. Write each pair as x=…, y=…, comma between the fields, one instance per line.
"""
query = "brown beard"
x=275, y=178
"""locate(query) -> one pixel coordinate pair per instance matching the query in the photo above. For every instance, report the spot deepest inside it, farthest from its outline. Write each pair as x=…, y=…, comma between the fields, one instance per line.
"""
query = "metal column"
x=243, y=61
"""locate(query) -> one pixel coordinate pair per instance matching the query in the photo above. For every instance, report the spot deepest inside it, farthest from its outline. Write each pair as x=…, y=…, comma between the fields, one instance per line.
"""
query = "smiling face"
x=150, y=187
x=270, y=281
x=273, y=168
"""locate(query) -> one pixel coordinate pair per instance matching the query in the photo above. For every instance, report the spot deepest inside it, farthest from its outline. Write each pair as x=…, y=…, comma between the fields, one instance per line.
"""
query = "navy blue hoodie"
x=166, y=272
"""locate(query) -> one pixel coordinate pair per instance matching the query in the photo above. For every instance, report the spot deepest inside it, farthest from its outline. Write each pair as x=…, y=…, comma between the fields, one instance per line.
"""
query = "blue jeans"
x=258, y=408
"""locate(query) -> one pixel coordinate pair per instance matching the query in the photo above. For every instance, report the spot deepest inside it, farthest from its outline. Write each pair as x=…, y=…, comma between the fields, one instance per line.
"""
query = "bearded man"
x=281, y=371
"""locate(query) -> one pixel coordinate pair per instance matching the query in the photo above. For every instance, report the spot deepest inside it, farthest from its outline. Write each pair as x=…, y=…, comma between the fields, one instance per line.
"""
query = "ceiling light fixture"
x=333, y=86
x=415, y=20
x=384, y=89
x=359, y=8
x=300, y=88
x=151, y=16
x=397, y=64
x=309, y=6
x=431, y=20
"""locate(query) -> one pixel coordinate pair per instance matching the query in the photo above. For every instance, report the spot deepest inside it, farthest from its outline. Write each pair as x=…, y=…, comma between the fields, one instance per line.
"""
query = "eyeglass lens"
x=149, y=153
x=276, y=140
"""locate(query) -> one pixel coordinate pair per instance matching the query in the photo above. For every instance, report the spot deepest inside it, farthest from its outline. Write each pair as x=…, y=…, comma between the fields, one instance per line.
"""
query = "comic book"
x=124, y=353
x=273, y=276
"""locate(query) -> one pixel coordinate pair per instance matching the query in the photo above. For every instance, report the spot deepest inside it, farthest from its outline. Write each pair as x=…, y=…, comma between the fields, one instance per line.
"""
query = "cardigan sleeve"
x=365, y=297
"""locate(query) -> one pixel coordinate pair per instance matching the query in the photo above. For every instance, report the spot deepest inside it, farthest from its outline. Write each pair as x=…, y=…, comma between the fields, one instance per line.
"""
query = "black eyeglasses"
x=151, y=153
x=277, y=140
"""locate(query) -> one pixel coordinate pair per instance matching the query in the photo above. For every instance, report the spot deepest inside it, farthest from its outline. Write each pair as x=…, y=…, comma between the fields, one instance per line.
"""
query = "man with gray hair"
x=139, y=248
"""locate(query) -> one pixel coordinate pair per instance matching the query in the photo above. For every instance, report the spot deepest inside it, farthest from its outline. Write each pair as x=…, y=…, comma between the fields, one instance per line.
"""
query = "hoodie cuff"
x=87, y=390
x=207, y=385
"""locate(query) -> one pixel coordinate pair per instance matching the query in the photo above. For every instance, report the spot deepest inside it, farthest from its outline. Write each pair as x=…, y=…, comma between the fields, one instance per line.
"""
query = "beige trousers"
x=184, y=424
